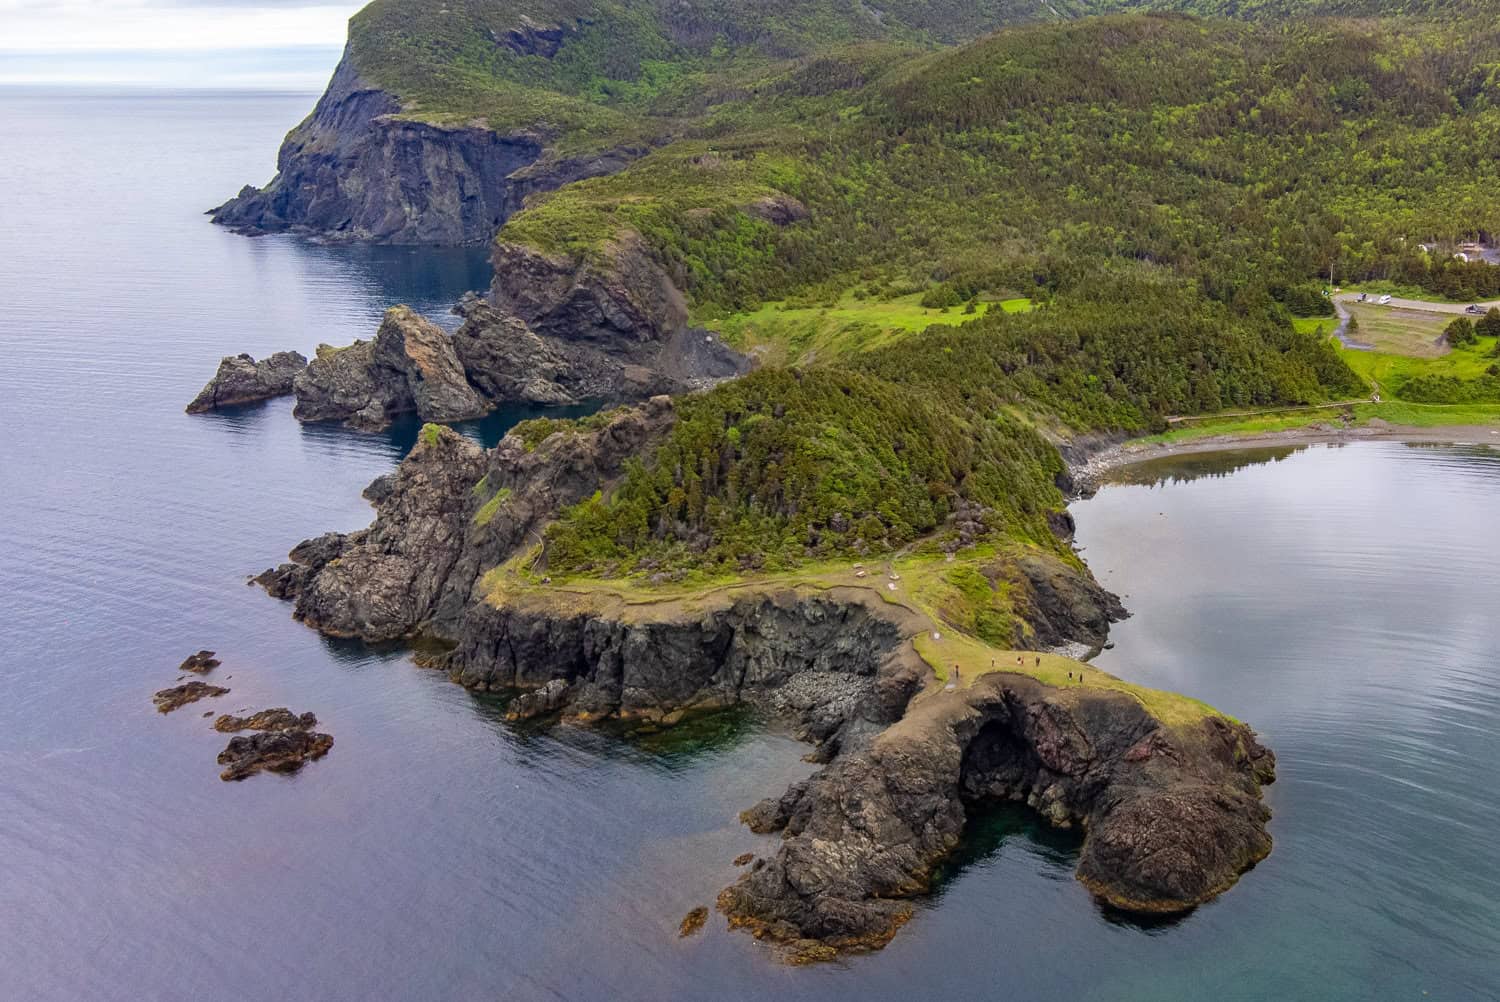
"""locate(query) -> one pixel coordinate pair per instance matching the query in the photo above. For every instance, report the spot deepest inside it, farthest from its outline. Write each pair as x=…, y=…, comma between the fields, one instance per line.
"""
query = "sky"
x=282, y=44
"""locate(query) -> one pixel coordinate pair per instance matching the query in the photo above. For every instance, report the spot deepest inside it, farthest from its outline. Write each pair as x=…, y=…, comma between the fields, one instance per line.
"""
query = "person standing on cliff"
x=955, y=678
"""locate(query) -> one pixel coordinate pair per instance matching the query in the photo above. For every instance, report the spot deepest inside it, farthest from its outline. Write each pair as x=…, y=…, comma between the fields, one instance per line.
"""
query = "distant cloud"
x=142, y=25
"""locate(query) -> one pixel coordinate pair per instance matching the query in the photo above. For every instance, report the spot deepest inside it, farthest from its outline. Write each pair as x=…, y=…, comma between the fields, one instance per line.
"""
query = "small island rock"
x=281, y=751
x=409, y=366
x=168, y=700
x=278, y=719
x=200, y=663
x=242, y=380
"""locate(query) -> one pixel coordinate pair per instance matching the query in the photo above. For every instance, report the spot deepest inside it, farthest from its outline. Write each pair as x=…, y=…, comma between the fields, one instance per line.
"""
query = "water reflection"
x=1197, y=466
x=992, y=826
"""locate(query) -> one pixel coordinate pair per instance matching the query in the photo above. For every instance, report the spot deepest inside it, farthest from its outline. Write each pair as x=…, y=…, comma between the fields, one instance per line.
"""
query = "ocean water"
x=1339, y=600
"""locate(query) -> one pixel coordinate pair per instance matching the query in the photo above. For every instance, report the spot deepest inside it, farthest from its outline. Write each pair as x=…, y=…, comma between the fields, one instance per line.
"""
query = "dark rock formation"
x=617, y=322
x=271, y=751
x=735, y=648
x=356, y=170
x=168, y=700
x=1063, y=604
x=242, y=380
x=506, y=360
x=1173, y=815
x=278, y=719
x=409, y=366
x=439, y=525
x=201, y=663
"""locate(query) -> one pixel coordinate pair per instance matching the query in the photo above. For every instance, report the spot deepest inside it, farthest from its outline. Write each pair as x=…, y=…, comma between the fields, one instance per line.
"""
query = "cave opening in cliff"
x=997, y=775
x=997, y=765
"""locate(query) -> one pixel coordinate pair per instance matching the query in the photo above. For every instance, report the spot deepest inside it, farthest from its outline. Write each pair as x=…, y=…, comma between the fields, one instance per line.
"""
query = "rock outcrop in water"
x=167, y=700
x=357, y=170
x=242, y=380
x=1172, y=814
x=281, y=751
x=200, y=663
x=409, y=366
x=277, y=719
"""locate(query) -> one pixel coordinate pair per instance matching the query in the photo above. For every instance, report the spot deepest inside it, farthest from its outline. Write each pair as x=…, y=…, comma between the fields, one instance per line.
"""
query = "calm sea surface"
x=1342, y=601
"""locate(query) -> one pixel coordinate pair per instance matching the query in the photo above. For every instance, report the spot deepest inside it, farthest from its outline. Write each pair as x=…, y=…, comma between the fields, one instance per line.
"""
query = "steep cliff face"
x=616, y=317
x=356, y=170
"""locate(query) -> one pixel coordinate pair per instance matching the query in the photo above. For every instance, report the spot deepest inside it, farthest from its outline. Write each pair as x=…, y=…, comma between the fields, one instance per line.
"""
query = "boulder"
x=201, y=663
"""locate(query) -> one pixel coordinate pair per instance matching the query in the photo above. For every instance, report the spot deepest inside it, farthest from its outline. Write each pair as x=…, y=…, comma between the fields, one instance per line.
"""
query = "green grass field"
x=781, y=334
x=1413, y=333
x=1393, y=412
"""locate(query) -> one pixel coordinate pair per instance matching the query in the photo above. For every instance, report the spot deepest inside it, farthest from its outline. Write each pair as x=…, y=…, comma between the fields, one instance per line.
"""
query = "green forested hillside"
x=1247, y=157
x=866, y=456
x=1169, y=189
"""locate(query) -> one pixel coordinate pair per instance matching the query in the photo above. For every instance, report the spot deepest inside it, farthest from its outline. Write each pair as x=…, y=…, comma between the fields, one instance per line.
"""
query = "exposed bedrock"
x=410, y=365
x=617, y=322
x=242, y=380
x=1172, y=816
x=450, y=512
x=826, y=661
x=356, y=170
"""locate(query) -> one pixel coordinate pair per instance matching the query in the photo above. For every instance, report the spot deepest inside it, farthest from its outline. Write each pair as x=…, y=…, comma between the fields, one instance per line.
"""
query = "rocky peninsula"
x=1166, y=789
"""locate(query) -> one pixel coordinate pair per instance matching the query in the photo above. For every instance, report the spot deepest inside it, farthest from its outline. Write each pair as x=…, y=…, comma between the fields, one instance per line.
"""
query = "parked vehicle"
x=1385, y=300
x=1475, y=308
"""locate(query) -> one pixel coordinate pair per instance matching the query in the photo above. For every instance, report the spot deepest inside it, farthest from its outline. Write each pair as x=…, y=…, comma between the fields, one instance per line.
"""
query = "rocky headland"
x=1166, y=790
x=360, y=169
x=243, y=380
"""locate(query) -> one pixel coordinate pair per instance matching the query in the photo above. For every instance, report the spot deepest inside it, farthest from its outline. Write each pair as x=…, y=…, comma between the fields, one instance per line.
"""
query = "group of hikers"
x=955, y=677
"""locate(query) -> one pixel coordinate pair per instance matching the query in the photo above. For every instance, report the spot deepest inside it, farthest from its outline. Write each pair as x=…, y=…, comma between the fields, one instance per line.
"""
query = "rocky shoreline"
x=1171, y=810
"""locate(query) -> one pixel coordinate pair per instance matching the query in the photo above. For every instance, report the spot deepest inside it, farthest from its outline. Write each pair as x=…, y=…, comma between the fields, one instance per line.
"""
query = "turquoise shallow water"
x=1339, y=600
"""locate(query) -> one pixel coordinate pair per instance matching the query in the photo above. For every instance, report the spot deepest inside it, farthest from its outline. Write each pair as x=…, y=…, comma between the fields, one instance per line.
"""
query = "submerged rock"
x=409, y=366
x=242, y=380
x=278, y=719
x=200, y=663
x=281, y=751
x=168, y=700
x=693, y=922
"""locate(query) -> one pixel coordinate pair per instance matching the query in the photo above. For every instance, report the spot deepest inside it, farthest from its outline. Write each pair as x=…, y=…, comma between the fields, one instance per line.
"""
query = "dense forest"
x=1249, y=158
x=867, y=455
